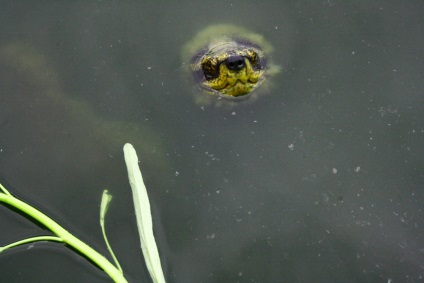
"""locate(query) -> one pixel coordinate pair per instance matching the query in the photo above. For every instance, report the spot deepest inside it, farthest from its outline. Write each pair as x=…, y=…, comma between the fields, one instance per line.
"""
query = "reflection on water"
x=320, y=179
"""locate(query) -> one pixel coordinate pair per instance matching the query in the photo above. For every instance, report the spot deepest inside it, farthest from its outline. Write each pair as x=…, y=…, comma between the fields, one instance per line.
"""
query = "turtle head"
x=233, y=69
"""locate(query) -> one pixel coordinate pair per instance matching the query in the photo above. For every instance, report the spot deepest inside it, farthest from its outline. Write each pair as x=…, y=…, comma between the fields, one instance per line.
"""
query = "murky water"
x=322, y=179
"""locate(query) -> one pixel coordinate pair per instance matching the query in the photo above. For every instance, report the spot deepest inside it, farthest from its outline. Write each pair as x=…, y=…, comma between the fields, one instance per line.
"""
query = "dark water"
x=321, y=180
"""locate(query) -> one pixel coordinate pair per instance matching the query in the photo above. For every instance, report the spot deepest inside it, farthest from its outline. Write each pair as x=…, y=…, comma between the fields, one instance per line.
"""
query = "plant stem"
x=66, y=237
x=106, y=199
x=32, y=240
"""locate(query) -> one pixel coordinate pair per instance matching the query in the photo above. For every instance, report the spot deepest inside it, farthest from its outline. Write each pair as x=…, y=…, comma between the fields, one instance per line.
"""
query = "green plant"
x=144, y=224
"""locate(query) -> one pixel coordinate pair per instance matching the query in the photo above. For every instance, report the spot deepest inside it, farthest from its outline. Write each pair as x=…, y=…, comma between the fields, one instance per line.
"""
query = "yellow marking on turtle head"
x=231, y=82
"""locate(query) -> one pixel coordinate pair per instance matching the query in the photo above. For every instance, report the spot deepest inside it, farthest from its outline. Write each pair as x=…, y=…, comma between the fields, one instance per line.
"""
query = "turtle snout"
x=235, y=63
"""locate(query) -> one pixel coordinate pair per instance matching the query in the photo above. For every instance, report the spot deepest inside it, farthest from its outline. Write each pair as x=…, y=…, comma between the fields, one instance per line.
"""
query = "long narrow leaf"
x=143, y=215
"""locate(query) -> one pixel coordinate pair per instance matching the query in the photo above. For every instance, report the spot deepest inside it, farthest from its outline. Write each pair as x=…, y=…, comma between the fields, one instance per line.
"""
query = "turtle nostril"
x=235, y=63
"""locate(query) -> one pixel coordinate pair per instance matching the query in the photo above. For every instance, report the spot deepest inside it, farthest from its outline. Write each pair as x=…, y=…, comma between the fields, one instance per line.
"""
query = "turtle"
x=228, y=61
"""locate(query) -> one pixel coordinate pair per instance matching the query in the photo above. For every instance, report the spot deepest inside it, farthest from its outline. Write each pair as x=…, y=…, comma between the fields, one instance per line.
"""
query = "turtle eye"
x=253, y=58
x=210, y=69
